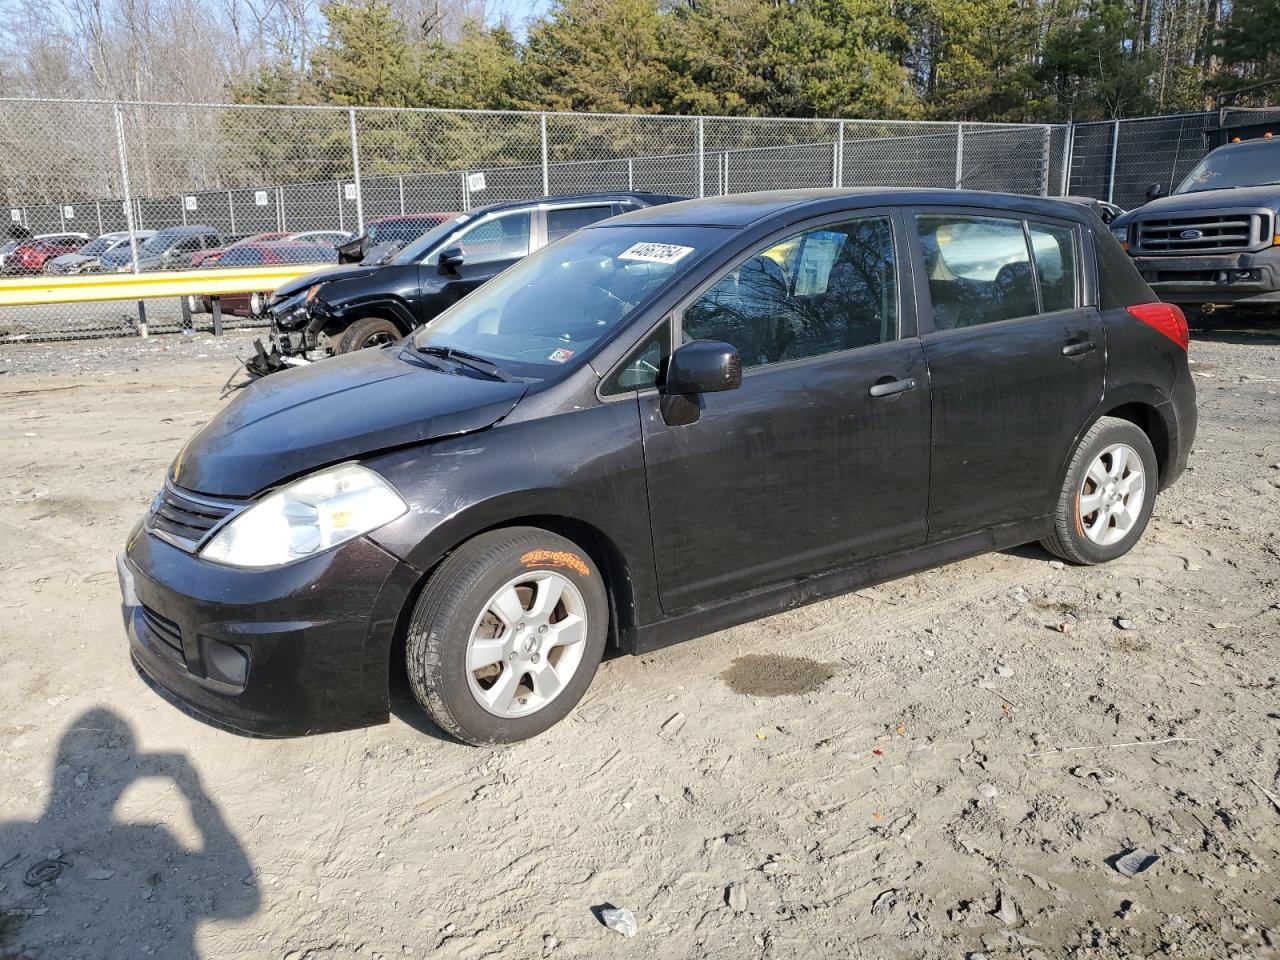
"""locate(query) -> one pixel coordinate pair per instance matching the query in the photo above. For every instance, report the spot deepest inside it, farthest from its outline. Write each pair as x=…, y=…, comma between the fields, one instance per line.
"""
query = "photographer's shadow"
x=80, y=882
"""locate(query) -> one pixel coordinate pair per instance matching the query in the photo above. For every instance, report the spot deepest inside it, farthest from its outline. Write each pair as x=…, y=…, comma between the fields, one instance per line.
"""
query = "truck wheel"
x=507, y=635
x=1107, y=495
x=369, y=332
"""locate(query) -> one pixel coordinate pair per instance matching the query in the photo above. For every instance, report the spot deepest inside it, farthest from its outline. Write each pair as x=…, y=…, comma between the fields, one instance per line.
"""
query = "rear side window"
x=1054, y=248
x=979, y=270
x=562, y=222
x=812, y=293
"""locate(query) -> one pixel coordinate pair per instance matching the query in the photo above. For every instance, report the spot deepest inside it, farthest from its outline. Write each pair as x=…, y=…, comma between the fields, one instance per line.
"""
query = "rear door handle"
x=1078, y=348
x=892, y=387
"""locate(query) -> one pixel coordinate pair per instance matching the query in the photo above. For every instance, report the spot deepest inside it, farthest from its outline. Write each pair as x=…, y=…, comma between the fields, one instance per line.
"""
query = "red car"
x=210, y=258
x=249, y=253
x=31, y=256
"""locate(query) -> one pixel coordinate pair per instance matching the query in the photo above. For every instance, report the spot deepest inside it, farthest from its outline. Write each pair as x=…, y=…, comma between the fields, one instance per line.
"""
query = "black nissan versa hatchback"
x=665, y=424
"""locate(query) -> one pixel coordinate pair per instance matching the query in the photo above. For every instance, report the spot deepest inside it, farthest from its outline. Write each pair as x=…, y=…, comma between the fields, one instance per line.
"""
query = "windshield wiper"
x=470, y=360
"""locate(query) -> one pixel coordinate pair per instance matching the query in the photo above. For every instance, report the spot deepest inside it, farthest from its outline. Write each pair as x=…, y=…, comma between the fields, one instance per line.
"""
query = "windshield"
x=550, y=309
x=159, y=243
x=1250, y=166
x=95, y=247
x=415, y=251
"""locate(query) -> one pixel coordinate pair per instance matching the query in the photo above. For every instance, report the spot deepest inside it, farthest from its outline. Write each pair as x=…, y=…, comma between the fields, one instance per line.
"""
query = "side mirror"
x=450, y=260
x=703, y=366
x=1155, y=191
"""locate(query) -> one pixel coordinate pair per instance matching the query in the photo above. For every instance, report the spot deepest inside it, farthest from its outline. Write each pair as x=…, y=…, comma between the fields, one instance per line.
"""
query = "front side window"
x=643, y=367
x=562, y=222
x=502, y=238
x=1054, y=248
x=816, y=292
x=978, y=268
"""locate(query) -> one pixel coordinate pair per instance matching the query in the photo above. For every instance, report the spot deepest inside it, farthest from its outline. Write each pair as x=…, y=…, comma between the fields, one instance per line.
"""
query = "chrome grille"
x=1204, y=232
x=185, y=519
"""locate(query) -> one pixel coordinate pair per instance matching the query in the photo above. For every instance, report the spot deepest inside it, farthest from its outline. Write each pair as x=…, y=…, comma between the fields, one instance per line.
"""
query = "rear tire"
x=507, y=635
x=369, y=332
x=1107, y=495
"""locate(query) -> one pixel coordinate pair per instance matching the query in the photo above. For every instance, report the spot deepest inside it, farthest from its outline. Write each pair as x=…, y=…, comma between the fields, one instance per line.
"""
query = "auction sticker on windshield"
x=655, y=252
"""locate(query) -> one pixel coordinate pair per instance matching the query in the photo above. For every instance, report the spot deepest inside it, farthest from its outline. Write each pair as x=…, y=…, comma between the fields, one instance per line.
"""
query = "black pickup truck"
x=1215, y=241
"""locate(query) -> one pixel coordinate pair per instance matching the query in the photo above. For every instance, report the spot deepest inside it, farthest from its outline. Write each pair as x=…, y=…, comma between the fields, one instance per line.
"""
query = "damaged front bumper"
x=282, y=652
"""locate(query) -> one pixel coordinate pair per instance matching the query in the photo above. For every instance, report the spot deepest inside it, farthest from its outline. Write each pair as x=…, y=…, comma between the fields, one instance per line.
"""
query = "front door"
x=1016, y=356
x=821, y=457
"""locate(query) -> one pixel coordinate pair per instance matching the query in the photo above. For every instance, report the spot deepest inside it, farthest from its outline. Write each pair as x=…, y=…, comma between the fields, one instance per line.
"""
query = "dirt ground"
x=971, y=749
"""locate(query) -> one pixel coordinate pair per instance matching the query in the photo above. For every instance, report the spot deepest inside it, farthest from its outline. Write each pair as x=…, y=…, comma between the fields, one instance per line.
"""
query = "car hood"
x=350, y=271
x=338, y=409
x=68, y=258
x=1267, y=196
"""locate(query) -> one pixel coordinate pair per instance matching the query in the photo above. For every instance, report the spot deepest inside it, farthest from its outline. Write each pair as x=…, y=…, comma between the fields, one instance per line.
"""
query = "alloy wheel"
x=1112, y=494
x=526, y=644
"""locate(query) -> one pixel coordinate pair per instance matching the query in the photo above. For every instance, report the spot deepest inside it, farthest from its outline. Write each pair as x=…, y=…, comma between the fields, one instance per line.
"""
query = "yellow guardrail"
x=90, y=287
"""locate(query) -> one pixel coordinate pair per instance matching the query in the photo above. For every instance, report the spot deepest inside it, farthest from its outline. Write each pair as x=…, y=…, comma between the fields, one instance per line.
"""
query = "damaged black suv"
x=354, y=306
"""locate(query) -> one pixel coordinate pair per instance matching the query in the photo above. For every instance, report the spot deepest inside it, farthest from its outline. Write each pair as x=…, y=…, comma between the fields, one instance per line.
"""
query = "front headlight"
x=307, y=517
x=1121, y=234
x=255, y=304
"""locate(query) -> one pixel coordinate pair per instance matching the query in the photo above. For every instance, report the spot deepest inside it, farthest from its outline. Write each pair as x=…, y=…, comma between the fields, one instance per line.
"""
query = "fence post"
x=546, y=166
x=1115, y=148
x=280, y=209
x=839, y=172
x=401, y=196
x=631, y=174
x=98, y=205
x=123, y=160
x=231, y=212
x=959, y=155
x=1046, y=146
x=1068, y=157
x=702, y=182
x=355, y=169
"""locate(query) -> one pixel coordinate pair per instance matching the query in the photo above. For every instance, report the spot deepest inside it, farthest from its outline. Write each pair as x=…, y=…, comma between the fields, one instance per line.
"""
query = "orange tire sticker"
x=556, y=558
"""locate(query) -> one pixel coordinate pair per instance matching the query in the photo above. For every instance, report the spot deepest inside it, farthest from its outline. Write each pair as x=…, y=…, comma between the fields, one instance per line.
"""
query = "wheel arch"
x=394, y=310
x=609, y=559
x=1152, y=420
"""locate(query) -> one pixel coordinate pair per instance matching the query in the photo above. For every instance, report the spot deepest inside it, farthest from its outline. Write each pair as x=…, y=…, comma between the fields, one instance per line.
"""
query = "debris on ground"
x=619, y=920
x=1135, y=861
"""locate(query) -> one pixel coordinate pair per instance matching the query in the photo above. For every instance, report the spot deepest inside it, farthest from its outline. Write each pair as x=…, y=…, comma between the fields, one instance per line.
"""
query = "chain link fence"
x=177, y=180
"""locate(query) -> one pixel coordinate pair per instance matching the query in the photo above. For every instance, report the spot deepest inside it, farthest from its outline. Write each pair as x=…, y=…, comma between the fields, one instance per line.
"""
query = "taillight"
x=1166, y=318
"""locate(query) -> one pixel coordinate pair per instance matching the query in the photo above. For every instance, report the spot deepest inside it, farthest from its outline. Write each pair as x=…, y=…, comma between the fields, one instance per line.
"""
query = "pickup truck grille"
x=184, y=519
x=1203, y=232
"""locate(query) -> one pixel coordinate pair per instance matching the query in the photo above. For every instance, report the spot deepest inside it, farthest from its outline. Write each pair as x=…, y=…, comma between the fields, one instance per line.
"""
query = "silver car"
x=88, y=258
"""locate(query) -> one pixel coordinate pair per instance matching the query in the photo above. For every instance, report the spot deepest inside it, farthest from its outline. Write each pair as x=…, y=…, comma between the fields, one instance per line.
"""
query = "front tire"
x=1107, y=495
x=507, y=635
x=369, y=332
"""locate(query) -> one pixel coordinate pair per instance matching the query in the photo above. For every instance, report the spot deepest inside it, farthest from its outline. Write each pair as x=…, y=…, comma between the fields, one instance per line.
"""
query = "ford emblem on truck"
x=1191, y=234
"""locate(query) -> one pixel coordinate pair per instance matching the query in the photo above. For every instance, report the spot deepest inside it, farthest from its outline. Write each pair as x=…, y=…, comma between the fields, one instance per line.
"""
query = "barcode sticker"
x=655, y=252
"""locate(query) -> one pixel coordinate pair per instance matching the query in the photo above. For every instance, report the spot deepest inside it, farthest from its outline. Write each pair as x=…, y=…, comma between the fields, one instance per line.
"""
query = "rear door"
x=1016, y=354
x=820, y=458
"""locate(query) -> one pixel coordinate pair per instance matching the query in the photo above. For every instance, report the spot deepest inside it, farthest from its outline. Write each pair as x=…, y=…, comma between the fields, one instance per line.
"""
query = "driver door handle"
x=1078, y=347
x=892, y=387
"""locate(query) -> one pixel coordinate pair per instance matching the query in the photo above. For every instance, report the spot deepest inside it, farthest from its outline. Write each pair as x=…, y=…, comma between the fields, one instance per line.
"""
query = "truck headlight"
x=307, y=517
x=1121, y=234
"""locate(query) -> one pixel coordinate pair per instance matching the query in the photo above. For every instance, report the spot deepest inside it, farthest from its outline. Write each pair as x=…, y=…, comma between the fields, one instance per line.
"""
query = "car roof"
x=1257, y=143
x=744, y=209
x=176, y=231
x=611, y=196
